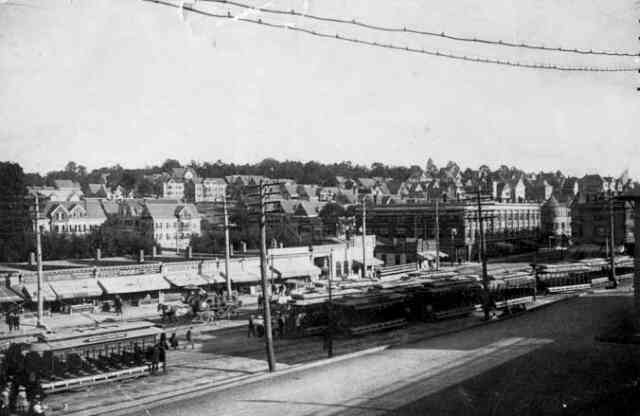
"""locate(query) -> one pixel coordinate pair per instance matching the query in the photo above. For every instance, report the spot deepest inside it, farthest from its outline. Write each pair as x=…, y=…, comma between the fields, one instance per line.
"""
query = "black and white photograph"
x=319, y=207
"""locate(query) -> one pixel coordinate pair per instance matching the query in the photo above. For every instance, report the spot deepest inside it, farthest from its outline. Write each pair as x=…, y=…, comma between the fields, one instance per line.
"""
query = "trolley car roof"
x=95, y=339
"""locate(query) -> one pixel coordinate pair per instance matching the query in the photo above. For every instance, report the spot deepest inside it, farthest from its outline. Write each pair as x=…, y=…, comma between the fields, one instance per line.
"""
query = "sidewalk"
x=196, y=370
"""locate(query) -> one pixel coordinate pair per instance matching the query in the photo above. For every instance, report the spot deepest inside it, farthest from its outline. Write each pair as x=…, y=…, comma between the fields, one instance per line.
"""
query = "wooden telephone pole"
x=266, y=295
x=483, y=259
x=364, y=238
x=612, y=258
x=227, y=250
x=39, y=322
x=437, y=236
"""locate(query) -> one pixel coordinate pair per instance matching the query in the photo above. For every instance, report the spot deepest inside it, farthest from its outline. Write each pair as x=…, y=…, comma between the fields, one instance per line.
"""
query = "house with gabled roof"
x=74, y=217
x=171, y=222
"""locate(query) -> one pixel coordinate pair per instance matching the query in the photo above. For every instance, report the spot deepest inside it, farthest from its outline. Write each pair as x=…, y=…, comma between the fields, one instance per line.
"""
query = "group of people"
x=16, y=400
x=159, y=354
x=279, y=323
x=12, y=318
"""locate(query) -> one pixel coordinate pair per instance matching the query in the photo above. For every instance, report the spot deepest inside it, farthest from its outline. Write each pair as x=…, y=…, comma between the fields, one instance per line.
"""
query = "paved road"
x=543, y=363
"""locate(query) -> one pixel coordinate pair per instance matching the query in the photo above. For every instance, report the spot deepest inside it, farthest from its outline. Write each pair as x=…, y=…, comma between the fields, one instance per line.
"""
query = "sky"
x=102, y=82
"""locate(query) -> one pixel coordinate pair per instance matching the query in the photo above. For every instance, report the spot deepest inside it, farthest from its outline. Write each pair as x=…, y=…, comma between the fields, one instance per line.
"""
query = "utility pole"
x=39, y=262
x=437, y=236
x=612, y=258
x=263, y=275
x=330, y=307
x=483, y=258
x=364, y=238
x=226, y=246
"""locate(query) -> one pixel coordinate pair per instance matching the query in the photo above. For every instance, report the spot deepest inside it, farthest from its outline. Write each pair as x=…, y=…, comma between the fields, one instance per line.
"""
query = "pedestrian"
x=16, y=322
x=281, y=323
x=7, y=320
x=252, y=328
x=173, y=341
x=163, y=341
x=162, y=357
x=155, y=358
x=189, y=337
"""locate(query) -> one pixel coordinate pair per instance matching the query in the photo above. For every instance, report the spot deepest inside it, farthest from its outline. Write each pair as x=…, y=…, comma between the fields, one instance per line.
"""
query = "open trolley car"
x=70, y=360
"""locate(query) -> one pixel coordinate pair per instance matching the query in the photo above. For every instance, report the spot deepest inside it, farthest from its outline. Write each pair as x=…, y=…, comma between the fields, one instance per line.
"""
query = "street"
x=546, y=362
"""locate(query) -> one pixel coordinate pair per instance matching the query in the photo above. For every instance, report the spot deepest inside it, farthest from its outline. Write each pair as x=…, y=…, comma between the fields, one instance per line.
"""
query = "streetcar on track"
x=85, y=356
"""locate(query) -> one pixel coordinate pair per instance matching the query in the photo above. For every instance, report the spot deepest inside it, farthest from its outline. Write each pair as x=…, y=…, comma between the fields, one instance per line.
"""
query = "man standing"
x=189, y=337
x=252, y=328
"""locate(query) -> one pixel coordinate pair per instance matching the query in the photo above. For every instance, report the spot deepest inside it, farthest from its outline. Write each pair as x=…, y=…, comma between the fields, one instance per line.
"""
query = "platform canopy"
x=295, y=267
x=31, y=290
x=76, y=288
x=134, y=283
x=243, y=271
x=186, y=279
x=9, y=296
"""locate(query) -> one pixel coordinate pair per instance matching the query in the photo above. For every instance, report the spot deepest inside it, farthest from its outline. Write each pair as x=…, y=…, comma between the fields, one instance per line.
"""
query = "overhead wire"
x=430, y=52
x=441, y=35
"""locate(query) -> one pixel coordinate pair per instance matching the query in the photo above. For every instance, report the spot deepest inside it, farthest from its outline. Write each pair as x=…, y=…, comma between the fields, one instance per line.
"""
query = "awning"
x=31, y=290
x=9, y=296
x=76, y=288
x=134, y=283
x=431, y=254
x=242, y=272
x=295, y=267
x=186, y=279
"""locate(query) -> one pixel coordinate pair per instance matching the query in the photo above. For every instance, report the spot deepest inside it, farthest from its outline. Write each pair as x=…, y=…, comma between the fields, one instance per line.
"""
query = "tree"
x=71, y=167
x=15, y=219
x=170, y=164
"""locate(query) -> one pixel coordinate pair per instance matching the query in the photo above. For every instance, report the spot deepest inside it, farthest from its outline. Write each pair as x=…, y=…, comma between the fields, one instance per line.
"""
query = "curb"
x=140, y=404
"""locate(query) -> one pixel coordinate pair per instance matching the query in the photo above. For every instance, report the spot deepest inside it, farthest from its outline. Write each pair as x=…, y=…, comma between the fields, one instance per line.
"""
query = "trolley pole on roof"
x=483, y=258
x=612, y=258
x=266, y=296
x=364, y=238
x=226, y=246
x=39, y=323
